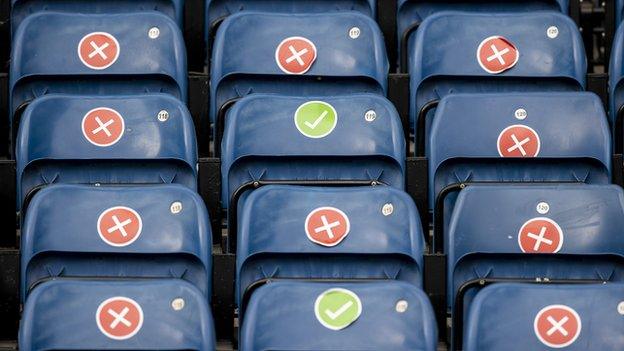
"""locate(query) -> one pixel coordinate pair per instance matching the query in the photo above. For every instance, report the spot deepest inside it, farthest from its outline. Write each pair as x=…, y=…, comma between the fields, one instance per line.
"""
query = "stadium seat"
x=360, y=138
x=495, y=53
x=22, y=8
x=513, y=137
x=616, y=91
x=166, y=314
x=219, y=10
x=146, y=139
x=328, y=233
x=339, y=316
x=519, y=317
x=116, y=232
x=411, y=13
x=552, y=233
x=296, y=54
x=96, y=55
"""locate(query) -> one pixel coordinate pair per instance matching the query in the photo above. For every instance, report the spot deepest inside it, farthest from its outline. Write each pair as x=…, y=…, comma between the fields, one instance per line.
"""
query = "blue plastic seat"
x=166, y=314
x=582, y=317
x=548, y=232
x=411, y=13
x=166, y=243
x=568, y=137
x=119, y=56
x=616, y=84
x=451, y=66
x=262, y=142
x=23, y=8
x=326, y=60
x=364, y=243
x=393, y=316
x=218, y=10
x=53, y=147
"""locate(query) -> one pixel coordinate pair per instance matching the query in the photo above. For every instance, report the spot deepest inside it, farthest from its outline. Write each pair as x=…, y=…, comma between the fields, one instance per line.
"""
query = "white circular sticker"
x=401, y=306
x=163, y=115
x=370, y=115
x=621, y=308
x=177, y=304
x=520, y=114
x=552, y=32
x=176, y=207
x=542, y=208
x=354, y=33
x=387, y=209
x=154, y=32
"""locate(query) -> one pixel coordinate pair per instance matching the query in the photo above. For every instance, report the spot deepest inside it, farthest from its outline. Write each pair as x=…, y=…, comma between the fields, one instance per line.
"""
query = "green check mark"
x=316, y=119
x=337, y=308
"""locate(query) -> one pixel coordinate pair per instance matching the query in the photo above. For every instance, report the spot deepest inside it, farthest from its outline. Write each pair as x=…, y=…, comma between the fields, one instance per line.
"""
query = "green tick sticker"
x=337, y=308
x=316, y=119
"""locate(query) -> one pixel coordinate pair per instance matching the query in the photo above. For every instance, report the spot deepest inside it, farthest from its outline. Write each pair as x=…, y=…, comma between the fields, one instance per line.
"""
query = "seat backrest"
x=96, y=54
x=567, y=231
x=20, y=9
x=477, y=53
x=518, y=317
x=616, y=76
x=367, y=316
x=412, y=12
x=119, y=232
x=331, y=138
x=538, y=137
x=218, y=10
x=145, y=139
x=165, y=314
x=296, y=54
x=290, y=232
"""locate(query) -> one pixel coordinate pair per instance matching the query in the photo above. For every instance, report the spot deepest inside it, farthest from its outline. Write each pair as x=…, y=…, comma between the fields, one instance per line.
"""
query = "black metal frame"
x=421, y=126
x=220, y=124
x=404, y=41
x=618, y=131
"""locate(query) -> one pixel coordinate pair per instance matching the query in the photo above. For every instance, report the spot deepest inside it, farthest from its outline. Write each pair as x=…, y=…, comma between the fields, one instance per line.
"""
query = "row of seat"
x=410, y=13
x=116, y=244
x=376, y=237
x=435, y=70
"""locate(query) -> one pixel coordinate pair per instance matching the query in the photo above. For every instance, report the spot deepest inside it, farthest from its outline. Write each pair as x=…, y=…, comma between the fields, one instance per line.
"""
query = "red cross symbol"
x=295, y=55
x=557, y=326
x=540, y=235
x=98, y=50
x=103, y=126
x=119, y=226
x=497, y=54
x=119, y=318
x=518, y=141
x=327, y=226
